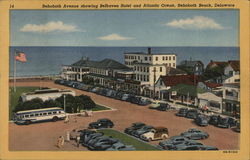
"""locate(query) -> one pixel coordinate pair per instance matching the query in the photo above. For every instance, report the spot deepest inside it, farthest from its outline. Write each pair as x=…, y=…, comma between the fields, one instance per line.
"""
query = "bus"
x=38, y=115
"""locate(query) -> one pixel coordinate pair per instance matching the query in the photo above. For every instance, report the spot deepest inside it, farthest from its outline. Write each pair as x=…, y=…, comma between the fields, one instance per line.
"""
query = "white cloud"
x=197, y=22
x=51, y=26
x=114, y=36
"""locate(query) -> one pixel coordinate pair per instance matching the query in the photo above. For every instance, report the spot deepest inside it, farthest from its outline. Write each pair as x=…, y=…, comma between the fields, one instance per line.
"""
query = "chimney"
x=149, y=50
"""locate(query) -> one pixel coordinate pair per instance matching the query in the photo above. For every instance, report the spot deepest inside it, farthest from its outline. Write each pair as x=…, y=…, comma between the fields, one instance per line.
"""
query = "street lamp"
x=64, y=102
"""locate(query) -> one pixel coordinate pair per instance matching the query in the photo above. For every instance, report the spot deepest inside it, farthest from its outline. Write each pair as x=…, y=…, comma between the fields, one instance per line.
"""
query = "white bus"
x=37, y=115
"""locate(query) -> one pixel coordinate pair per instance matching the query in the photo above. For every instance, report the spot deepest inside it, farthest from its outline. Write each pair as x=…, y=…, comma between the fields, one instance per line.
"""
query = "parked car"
x=102, y=143
x=213, y=119
x=119, y=95
x=227, y=122
x=144, y=101
x=89, y=137
x=121, y=147
x=101, y=123
x=204, y=147
x=84, y=133
x=186, y=144
x=92, y=141
x=125, y=97
x=201, y=120
x=134, y=127
x=156, y=133
x=154, y=105
x=134, y=99
x=192, y=113
x=182, y=112
x=172, y=141
x=139, y=132
x=195, y=134
x=237, y=127
x=163, y=107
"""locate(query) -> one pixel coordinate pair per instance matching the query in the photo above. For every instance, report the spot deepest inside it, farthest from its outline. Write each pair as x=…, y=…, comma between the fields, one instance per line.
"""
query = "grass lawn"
x=14, y=96
x=100, y=108
x=139, y=145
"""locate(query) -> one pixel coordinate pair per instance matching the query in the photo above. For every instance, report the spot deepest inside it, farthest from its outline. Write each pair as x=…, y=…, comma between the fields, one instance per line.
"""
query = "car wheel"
x=28, y=122
x=54, y=119
x=164, y=137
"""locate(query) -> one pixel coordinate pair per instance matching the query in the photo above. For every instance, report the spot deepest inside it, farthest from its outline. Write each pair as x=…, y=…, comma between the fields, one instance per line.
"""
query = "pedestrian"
x=59, y=142
x=66, y=119
x=78, y=140
x=67, y=136
x=62, y=143
x=73, y=134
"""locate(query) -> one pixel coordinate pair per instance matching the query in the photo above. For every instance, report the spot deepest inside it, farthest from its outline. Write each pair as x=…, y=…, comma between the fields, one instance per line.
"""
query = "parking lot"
x=43, y=136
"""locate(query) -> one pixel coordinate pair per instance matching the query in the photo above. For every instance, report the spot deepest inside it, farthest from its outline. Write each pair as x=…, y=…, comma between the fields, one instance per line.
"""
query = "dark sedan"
x=227, y=122
x=134, y=127
x=101, y=123
x=182, y=112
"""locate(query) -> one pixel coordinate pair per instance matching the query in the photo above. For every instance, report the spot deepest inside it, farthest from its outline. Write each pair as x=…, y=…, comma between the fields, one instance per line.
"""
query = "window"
x=147, y=77
x=160, y=69
x=54, y=112
x=169, y=64
x=150, y=59
x=144, y=77
x=141, y=68
x=135, y=68
x=170, y=58
x=44, y=113
x=59, y=112
x=36, y=114
x=144, y=69
x=27, y=115
x=146, y=58
x=32, y=115
x=173, y=57
x=147, y=69
x=166, y=57
x=49, y=113
x=156, y=58
x=138, y=68
x=173, y=64
x=163, y=58
x=141, y=77
x=138, y=57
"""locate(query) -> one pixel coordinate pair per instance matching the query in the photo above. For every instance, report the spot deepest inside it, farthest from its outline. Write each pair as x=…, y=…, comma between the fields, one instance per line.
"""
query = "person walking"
x=67, y=136
x=66, y=119
x=59, y=142
x=78, y=140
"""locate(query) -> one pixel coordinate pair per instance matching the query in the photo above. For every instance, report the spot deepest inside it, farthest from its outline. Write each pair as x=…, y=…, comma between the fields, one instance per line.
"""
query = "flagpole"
x=15, y=71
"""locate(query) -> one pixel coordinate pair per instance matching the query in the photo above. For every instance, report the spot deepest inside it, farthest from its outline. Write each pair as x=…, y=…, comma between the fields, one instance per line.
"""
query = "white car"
x=157, y=133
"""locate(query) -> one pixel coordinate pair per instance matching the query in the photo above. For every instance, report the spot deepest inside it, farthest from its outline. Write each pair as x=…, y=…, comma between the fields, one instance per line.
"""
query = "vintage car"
x=101, y=123
x=156, y=133
x=121, y=147
x=135, y=126
x=171, y=142
x=195, y=134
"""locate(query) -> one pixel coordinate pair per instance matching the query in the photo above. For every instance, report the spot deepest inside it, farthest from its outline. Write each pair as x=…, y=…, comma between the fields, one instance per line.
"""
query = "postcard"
x=124, y=80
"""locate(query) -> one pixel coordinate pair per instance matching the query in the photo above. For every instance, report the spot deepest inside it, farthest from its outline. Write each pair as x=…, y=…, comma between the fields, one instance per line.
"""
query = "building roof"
x=212, y=85
x=172, y=80
x=217, y=63
x=190, y=63
x=143, y=53
x=235, y=65
x=104, y=64
x=174, y=71
x=186, y=89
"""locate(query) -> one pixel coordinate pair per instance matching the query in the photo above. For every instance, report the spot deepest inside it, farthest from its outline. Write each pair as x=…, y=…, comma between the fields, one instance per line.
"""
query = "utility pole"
x=154, y=82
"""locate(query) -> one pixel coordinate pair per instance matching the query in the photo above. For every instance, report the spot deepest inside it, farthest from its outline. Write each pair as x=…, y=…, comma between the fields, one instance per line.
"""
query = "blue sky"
x=124, y=28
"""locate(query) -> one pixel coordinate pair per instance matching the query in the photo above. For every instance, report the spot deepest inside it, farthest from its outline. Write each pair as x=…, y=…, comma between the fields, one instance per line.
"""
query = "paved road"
x=43, y=136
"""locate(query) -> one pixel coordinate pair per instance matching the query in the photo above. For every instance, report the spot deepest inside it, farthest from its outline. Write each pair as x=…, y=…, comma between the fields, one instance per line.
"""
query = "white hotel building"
x=149, y=67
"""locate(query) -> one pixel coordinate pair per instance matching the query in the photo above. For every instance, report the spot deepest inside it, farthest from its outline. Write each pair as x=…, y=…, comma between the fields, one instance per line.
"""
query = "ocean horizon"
x=48, y=60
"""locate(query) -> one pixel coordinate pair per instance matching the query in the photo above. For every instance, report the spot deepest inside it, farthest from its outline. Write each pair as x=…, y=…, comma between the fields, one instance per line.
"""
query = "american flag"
x=21, y=57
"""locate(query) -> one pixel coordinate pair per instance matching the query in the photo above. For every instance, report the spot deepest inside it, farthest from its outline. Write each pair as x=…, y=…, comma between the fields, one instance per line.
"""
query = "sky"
x=124, y=28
